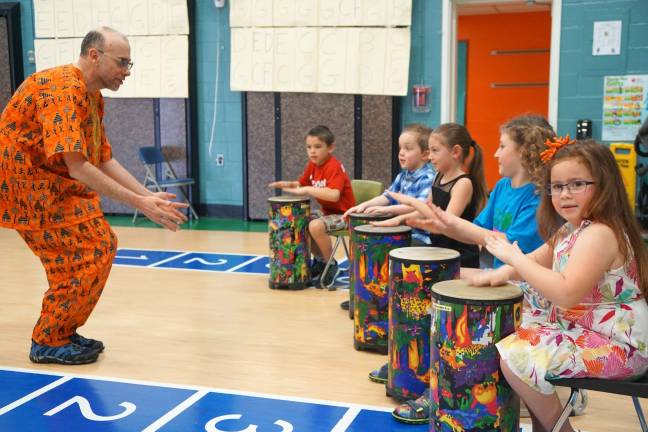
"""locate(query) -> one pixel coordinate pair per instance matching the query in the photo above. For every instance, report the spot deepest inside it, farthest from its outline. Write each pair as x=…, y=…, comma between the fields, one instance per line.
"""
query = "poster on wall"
x=625, y=106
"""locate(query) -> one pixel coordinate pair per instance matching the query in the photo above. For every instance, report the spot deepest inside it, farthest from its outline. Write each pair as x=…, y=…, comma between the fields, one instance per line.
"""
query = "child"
x=451, y=150
x=459, y=186
x=510, y=212
x=324, y=179
x=594, y=270
x=414, y=180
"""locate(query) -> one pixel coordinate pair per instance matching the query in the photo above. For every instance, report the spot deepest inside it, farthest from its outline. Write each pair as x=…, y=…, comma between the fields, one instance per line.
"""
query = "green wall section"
x=27, y=28
x=580, y=94
x=218, y=184
x=425, y=61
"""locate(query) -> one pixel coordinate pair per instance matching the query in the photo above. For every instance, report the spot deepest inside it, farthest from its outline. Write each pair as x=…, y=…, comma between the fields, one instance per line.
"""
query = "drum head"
x=374, y=230
x=459, y=290
x=424, y=254
x=288, y=199
x=369, y=217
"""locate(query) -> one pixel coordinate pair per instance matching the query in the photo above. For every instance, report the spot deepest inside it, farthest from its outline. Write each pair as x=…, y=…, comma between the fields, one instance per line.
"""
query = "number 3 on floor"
x=211, y=424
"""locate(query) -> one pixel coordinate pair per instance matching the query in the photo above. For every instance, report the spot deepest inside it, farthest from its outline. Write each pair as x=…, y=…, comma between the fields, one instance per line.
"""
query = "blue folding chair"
x=152, y=156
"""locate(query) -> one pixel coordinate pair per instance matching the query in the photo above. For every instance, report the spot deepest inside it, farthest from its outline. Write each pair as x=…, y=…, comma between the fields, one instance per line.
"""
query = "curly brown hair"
x=529, y=132
x=609, y=205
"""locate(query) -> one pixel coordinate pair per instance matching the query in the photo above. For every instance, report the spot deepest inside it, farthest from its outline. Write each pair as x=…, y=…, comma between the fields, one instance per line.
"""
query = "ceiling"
x=486, y=7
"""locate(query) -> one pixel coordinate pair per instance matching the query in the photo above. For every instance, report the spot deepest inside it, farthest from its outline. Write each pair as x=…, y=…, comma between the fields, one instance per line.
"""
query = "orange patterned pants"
x=77, y=261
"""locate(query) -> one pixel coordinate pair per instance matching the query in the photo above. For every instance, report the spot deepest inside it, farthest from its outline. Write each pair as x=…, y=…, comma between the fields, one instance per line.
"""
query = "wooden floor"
x=218, y=330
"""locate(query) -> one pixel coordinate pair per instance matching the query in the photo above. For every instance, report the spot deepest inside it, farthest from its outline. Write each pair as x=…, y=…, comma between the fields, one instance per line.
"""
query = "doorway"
x=498, y=66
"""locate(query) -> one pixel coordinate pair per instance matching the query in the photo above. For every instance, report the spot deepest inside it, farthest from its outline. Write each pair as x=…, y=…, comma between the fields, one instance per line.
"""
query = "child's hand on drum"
x=395, y=221
x=376, y=210
x=360, y=208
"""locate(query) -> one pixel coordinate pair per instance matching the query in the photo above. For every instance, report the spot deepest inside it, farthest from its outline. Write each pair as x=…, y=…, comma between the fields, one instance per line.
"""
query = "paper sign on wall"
x=625, y=106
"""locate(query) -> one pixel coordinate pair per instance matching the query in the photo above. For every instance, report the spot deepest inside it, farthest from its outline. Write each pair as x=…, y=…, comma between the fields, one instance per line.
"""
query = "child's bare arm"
x=284, y=184
x=325, y=194
x=594, y=252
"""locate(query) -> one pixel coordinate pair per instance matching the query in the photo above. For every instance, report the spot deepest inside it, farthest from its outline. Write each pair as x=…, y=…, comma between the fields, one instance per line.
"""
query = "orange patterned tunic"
x=51, y=113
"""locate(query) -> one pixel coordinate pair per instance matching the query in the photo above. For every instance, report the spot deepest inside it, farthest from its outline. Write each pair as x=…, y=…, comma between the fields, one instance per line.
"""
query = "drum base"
x=288, y=286
x=381, y=349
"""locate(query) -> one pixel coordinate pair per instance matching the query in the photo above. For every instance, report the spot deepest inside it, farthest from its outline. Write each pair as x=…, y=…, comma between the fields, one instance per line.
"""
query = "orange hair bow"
x=553, y=146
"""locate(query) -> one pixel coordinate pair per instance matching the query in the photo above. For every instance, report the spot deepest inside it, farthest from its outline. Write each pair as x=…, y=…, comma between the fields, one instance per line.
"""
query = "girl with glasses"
x=593, y=269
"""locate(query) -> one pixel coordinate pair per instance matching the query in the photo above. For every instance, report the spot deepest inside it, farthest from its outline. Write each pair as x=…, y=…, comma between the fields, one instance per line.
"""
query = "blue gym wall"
x=581, y=73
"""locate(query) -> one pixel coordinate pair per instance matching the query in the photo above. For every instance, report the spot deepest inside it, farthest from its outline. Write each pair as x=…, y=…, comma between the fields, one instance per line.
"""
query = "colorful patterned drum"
x=468, y=390
x=355, y=220
x=371, y=267
x=413, y=271
x=288, y=218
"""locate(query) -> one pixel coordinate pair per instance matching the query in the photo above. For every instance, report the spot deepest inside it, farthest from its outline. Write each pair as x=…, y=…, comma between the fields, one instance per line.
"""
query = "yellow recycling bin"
x=626, y=159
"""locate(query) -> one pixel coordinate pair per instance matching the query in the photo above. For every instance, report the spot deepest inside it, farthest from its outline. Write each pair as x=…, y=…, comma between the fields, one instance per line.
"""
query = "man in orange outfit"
x=55, y=160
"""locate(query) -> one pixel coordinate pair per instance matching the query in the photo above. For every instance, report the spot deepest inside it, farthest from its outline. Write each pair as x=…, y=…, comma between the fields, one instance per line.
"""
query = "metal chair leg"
x=186, y=197
x=640, y=414
x=328, y=264
x=581, y=402
x=564, y=415
x=346, y=251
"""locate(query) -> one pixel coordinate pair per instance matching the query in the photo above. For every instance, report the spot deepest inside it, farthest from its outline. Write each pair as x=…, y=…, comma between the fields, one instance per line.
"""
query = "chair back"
x=364, y=190
x=151, y=155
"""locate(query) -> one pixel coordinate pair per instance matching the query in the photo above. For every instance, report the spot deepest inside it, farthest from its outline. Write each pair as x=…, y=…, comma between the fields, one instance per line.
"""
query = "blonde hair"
x=422, y=133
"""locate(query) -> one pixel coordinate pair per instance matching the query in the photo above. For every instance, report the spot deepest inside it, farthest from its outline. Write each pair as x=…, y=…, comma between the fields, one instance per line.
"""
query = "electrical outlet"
x=220, y=159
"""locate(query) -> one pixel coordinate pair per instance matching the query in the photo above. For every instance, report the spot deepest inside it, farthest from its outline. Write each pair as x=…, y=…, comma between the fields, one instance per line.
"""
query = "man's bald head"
x=98, y=39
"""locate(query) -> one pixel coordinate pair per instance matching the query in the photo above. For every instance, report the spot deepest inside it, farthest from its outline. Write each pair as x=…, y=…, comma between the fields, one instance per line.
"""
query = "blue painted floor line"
x=33, y=400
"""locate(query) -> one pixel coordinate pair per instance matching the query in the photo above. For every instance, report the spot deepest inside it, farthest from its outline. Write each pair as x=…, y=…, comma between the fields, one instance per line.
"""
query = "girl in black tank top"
x=441, y=198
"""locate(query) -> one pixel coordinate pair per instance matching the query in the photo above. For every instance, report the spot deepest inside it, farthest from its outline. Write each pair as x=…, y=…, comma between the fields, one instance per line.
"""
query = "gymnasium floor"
x=193, y=349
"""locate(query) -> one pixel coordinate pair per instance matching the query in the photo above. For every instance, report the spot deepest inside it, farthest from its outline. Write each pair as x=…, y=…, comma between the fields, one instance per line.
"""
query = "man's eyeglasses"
x=123, y=63
x=574, y=186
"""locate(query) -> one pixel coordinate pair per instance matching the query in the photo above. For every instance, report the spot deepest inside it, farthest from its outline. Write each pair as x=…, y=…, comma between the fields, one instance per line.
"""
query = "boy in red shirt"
x=324, y=179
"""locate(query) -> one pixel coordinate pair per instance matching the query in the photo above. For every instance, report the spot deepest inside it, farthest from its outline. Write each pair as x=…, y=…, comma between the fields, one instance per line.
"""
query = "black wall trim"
x=277, y=129
x=221, y=210
x=191, y=110
x=244, y=155
x=157, y=133
x=396, y=131
x=11, y=11
x=357, y=136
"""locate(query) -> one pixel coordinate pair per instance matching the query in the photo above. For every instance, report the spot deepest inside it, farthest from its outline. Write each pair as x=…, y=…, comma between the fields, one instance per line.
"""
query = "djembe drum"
x=371, y=267
x=288, y=218
x=355, y=220
x=413, y=271
x=468, y=391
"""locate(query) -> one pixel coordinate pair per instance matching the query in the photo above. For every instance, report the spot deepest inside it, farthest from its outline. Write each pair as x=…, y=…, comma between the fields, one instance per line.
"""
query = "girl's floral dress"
x=605, y=336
